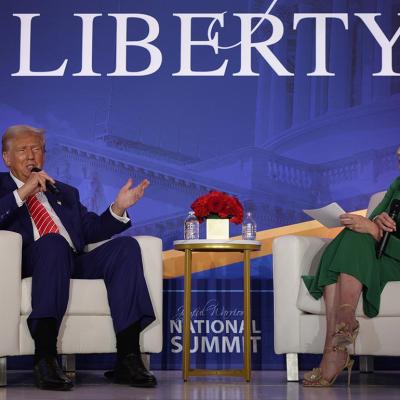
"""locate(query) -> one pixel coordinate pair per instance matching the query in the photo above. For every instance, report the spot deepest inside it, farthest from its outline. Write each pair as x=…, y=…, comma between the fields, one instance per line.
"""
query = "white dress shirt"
x=43, y=199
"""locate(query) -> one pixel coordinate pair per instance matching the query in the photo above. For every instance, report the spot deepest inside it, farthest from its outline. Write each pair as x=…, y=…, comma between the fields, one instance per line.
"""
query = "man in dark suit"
x=55, y=227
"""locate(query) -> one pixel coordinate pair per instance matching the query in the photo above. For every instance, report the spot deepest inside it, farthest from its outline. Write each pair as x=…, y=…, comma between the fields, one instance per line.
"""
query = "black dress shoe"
x=49, y=375
x=131, y=371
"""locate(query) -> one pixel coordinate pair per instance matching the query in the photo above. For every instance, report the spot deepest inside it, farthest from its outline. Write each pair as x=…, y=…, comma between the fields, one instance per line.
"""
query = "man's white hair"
x=15, y=130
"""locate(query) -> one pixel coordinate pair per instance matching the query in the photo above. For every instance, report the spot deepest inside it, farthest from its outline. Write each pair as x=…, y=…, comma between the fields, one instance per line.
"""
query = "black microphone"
x=50, y=186
x=393, y=213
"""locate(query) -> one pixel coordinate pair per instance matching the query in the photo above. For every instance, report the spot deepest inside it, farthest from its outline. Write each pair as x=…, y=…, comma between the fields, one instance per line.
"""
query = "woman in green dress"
x=348, y=267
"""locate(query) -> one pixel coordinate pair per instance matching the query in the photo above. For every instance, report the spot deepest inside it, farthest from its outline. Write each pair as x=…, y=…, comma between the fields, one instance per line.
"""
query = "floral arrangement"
x=218, y=205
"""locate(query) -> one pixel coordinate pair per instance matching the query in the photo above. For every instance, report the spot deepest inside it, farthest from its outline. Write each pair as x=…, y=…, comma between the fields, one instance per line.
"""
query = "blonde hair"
x=13, y=131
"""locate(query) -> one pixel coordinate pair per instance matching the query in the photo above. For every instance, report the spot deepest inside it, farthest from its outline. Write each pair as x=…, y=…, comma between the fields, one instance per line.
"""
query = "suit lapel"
x=25, y=222
x=8, y=184
x=63, y=211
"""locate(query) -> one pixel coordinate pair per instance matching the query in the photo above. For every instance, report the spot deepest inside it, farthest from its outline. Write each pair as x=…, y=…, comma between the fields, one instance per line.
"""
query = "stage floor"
x=90, y=385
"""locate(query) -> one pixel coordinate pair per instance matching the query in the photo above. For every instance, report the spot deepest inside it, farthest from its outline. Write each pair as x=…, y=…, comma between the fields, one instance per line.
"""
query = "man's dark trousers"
x=51, y=263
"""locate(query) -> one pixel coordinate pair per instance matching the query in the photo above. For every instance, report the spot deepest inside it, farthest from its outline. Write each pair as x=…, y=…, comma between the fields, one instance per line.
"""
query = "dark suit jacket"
x=83, y=226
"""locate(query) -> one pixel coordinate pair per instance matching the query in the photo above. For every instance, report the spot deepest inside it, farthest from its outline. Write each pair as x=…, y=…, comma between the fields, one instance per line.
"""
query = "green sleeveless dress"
x=354, y=253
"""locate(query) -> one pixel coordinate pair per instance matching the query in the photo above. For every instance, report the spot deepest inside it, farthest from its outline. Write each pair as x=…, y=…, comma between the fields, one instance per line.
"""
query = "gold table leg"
x=247, y=316
x=186, y=314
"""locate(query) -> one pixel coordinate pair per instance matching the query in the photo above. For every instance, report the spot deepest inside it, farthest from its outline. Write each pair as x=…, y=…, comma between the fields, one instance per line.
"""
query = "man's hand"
x=129, y=196
x=360, y=224
x=35, y=183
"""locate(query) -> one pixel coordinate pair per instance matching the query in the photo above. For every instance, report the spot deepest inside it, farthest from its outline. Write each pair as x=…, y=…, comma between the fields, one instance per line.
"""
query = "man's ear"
x=6, y=158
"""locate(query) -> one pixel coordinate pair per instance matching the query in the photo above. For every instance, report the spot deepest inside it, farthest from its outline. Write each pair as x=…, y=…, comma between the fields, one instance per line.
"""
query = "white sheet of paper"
x=328, y=215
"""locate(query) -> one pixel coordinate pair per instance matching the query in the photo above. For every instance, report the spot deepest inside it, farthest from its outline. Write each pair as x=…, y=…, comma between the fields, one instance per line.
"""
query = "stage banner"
x=217, y=319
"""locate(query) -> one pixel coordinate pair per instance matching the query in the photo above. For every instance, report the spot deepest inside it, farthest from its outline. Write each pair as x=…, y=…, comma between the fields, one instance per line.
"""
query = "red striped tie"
x=42, y=219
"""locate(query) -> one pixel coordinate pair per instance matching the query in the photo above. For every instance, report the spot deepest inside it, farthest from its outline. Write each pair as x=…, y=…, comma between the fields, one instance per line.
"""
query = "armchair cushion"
x=87, y=297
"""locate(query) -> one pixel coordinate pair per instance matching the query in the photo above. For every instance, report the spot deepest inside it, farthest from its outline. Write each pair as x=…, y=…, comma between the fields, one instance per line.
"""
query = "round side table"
x=241, y=246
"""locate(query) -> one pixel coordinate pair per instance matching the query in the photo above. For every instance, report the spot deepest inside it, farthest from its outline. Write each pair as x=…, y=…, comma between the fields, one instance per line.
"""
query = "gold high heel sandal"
x=310, y=375
x=314, y=378
x=344, y=335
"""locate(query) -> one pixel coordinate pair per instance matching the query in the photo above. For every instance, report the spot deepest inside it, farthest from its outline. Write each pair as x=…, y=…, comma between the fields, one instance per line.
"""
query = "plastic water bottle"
x=249, y=227
x=191, y=227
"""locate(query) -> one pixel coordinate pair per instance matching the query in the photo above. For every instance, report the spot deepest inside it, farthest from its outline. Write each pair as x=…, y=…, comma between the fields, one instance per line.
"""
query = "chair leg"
x=68, y=363
x=146, y=360
x=366, y=364
x=292, y=367
x=3, y=371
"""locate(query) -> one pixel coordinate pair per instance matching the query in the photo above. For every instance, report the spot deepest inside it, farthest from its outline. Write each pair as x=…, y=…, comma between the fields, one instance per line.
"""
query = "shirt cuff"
x=20, y=203
x=123, y=219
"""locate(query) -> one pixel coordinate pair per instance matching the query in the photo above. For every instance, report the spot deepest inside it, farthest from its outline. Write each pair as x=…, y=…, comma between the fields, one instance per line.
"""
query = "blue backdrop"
x=280, y=143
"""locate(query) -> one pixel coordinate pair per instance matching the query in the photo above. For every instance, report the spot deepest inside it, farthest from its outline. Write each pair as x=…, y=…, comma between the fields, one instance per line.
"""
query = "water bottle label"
x=191, y=231
x=249, y=232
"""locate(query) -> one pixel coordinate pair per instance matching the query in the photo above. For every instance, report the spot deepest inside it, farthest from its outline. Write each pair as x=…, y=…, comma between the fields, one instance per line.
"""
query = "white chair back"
x=374, y=201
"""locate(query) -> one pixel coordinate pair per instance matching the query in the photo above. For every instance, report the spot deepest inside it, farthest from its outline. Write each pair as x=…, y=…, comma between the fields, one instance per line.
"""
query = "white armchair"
x=299, y=319
x=87, y=325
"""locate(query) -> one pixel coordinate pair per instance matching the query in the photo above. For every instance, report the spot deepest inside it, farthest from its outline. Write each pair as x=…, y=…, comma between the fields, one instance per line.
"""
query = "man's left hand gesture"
x=128, y=196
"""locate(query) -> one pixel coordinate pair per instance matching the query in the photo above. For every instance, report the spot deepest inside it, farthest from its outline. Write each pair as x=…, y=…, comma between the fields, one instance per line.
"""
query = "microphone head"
x=394, y=208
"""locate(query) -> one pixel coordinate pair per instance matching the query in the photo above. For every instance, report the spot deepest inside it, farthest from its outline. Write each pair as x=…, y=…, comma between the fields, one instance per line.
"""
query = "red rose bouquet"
x=218, y=205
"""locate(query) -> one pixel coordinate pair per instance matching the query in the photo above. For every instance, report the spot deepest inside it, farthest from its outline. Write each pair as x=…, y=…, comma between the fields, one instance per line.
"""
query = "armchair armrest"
x=10, y=291
x=293, y=256
x=151, y=247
